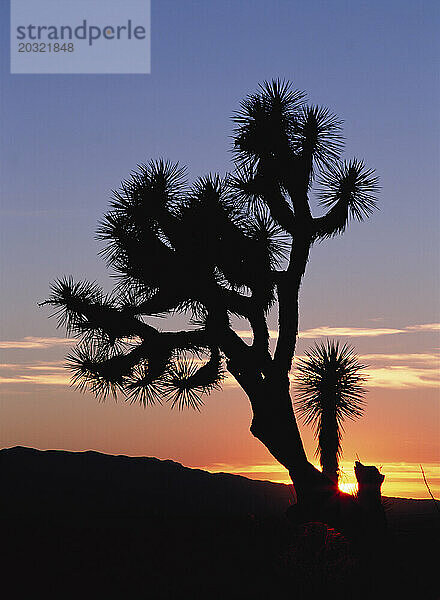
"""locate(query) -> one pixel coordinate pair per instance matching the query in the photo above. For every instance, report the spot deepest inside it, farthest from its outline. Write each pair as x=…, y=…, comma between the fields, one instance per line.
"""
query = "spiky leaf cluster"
x=283, y=146
x=348, y=189
x=267, y=120
x=329, y=389
x=187, y=380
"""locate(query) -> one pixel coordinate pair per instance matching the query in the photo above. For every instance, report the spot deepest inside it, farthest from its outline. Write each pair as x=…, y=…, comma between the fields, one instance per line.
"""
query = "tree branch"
x=296, y=181
x=333, y=222
x=267, y=183
x=288, y=291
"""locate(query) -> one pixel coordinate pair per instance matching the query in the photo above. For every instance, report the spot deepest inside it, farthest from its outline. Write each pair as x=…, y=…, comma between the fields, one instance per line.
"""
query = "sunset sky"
x=68, y=140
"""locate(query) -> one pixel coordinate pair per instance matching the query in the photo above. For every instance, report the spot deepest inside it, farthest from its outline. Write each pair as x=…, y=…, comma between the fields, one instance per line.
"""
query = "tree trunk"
x=329, y=443
x=318, y=496
x=274, y=424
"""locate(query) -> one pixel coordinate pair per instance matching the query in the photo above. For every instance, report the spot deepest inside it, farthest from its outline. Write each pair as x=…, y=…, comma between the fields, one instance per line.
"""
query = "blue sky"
x=67, y=140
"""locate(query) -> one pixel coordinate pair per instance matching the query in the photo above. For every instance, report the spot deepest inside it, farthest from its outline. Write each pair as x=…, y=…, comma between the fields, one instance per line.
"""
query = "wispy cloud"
x=31, y=342
x=347, y=331
x=431, y=358
x=400, y=377
x=430, y=327
x=35, y=343
x=42, y=379
x=403, y=371
x=393, y=371
x=326, y=331
x=37, y=373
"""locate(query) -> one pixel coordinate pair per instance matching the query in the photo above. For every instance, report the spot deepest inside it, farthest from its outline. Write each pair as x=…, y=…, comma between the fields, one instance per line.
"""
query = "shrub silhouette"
x=329, y=389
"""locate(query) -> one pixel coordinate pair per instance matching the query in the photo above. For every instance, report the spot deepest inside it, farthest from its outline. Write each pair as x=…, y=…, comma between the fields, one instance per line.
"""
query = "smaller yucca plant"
x=329, y=389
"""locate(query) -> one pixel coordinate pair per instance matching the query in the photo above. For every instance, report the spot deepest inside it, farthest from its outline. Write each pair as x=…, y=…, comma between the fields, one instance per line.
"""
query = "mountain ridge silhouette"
x=56, y=482
x=114, y=524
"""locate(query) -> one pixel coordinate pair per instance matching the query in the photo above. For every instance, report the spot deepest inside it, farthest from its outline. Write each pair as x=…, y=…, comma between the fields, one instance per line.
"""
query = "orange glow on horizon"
x=402, y=480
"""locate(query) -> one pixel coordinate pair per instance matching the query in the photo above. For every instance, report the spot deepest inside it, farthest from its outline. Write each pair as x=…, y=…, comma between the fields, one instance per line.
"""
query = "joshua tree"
x=223, y=247
x=329, y=389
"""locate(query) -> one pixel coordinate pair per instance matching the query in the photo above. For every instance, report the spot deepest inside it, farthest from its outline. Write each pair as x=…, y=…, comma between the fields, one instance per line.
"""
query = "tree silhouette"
x=224, y=247
x=329, y=389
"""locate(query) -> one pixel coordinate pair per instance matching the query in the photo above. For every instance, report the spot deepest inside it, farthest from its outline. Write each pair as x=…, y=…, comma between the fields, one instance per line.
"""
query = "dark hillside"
x=68, y=484
x=86, y=524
